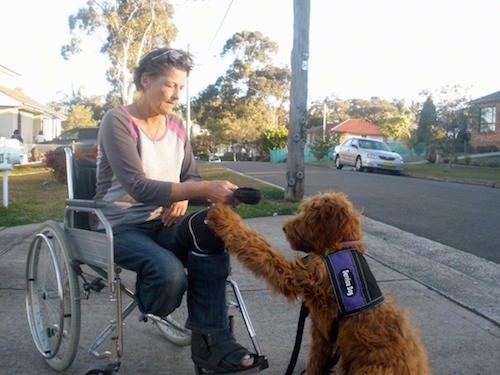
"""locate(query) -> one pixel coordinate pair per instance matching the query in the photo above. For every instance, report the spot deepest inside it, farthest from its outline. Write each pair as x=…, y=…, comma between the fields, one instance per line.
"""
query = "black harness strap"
x=304, y=312
x=334, y=333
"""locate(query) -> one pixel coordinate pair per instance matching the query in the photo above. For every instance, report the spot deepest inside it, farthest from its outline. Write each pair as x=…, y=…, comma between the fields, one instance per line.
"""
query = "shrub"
x=56, y=160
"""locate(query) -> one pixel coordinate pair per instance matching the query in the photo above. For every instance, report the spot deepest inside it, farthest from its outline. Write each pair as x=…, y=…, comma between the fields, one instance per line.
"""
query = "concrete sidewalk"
x=453, y=296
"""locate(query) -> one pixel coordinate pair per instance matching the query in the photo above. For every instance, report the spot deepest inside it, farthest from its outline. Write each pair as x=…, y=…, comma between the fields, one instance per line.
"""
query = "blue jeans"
x=160, y=257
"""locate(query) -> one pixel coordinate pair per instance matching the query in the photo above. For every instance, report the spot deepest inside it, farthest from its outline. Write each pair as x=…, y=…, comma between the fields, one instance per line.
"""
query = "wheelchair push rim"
x=52, y=297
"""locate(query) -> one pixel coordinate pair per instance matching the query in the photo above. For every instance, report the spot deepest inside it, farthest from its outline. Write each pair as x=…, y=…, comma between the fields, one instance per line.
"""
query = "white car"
x=367, y=154
x=214, y=159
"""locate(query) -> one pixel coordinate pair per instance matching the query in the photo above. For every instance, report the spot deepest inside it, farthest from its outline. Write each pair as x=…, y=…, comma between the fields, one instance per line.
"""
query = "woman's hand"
x=173, y=213
x=220, y=191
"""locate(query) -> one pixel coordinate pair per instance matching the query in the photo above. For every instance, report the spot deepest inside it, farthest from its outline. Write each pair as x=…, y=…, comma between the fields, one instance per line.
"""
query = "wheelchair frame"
x=53, y=277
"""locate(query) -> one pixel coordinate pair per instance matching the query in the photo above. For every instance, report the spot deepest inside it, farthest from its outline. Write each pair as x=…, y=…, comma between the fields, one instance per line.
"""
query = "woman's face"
x=163, y=92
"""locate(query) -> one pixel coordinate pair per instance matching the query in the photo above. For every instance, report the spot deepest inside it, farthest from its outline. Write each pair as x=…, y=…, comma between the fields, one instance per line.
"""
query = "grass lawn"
x=34, y=196
x=456, y=172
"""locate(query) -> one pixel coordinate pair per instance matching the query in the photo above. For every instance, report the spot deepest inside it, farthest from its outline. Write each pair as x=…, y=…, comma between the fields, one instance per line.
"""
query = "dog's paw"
x=220, y=218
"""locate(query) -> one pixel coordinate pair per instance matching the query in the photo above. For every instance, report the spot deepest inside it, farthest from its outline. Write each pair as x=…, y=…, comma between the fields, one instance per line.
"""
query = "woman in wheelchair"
x=146, y=172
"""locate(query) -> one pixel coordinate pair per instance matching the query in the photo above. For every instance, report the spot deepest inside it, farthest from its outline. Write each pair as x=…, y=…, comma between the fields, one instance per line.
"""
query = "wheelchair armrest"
x=85, y=203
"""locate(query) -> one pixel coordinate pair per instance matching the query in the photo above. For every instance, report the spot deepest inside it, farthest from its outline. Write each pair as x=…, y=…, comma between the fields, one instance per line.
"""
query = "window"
x=487, y=119
x=347, y=143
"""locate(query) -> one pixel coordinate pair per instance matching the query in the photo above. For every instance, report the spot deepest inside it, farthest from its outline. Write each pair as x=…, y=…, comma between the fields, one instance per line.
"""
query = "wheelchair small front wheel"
x=173, y=331
x=173, y=327
x=52, y=297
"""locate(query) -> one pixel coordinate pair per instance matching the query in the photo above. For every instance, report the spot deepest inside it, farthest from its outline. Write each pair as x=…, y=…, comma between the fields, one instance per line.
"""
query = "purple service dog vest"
x=354, y=285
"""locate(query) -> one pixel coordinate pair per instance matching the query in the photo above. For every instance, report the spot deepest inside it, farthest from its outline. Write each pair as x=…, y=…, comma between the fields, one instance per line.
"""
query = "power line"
x=220, y=25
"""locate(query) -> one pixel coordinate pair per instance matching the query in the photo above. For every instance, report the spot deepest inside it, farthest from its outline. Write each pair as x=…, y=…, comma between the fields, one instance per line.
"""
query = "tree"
x=80, y=111
x=255, y=88
x=400, y=125
x=251, y=74
x=374, y=110
x=79, y=116
x=273, y=138
x=453, y=116
x=129, y=28
x=337, y=111
x=444, y=126
x=248, y=97
x=321, y=145
x=428, y=118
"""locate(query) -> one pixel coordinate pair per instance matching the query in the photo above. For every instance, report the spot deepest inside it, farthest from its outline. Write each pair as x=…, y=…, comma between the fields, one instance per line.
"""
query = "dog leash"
x=304, y=312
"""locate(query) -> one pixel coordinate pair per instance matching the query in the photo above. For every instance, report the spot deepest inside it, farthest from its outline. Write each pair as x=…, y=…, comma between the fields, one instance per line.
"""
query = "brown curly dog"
x=379, y=339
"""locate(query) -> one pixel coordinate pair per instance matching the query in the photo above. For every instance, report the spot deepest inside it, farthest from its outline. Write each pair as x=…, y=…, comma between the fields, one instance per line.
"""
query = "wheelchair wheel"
x=173, y=327
x=52, y=297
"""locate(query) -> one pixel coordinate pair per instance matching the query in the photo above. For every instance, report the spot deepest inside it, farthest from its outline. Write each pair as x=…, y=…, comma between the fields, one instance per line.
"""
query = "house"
x=344, y=130
x=485, y=123
x=318, y=131
x=359, y=128
x=20, y=112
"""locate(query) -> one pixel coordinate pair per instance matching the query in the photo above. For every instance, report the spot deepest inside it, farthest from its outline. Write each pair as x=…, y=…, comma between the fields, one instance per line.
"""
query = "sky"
x=358, y=49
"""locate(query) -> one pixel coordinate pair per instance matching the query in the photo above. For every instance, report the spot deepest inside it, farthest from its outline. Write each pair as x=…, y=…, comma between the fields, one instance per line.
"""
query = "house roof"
x=17, y=98
x=357, y=127
x=495, y=97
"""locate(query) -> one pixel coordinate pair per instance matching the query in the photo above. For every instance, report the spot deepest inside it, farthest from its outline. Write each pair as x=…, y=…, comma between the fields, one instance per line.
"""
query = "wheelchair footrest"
x=95, y=285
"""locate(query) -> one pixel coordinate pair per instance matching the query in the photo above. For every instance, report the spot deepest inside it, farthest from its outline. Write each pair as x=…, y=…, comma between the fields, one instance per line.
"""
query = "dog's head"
x=325, y=222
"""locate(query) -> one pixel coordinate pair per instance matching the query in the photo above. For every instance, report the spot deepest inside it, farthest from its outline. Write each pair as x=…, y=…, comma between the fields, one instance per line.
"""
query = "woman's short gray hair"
x=159, y=61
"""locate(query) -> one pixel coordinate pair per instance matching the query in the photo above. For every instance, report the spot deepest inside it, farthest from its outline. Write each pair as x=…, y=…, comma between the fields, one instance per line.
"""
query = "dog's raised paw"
x=220, y=216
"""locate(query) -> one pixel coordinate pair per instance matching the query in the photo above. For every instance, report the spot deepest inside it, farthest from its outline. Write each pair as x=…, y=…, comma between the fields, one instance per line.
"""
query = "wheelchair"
x=66, y=263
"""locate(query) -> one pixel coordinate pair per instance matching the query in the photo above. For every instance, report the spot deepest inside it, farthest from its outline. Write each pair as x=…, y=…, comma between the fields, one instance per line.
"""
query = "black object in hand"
x=247, y=195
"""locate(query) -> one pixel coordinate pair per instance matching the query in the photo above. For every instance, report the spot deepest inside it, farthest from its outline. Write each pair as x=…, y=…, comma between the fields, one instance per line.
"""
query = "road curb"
x=468, y=280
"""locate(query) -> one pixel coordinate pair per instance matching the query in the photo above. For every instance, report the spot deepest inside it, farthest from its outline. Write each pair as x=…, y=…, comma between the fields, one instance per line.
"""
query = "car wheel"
x=358, y=165
x=337, y=162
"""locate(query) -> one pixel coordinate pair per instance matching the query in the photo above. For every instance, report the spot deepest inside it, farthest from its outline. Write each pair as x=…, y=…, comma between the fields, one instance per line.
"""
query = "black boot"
x=219, y=352
x=213, y=347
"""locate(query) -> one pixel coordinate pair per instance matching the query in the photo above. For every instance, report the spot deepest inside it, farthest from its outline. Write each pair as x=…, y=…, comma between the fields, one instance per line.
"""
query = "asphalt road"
x=463, y=216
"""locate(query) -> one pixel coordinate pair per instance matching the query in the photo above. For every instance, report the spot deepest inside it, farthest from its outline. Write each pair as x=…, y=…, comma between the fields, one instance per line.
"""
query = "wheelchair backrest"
x=84, y=178
x=81, y=180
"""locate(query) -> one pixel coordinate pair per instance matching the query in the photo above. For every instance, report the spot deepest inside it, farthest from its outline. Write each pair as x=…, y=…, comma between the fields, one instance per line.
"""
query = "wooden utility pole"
x=295, y=170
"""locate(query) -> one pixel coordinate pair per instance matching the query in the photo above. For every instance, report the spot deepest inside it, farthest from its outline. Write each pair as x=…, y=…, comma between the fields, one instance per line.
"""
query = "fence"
x=280, y=155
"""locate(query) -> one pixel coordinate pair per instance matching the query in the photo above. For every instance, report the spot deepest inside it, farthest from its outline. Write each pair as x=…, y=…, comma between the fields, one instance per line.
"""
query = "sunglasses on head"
x=173, y=53
x=174, y=56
